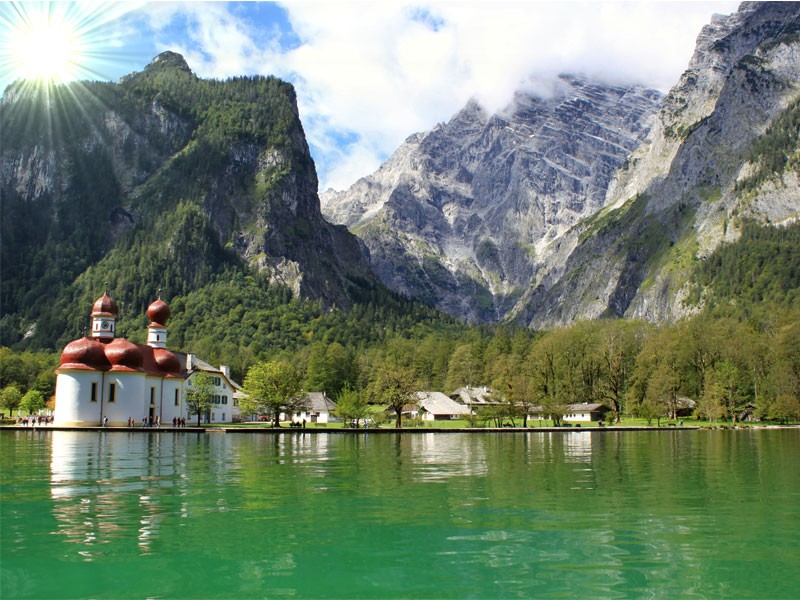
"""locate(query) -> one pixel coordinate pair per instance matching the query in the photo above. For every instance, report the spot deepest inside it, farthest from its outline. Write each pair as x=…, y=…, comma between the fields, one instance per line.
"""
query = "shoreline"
x=383, y=431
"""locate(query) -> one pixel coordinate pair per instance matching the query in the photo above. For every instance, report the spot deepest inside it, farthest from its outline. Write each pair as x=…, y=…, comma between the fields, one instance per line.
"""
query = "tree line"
x=728, y=368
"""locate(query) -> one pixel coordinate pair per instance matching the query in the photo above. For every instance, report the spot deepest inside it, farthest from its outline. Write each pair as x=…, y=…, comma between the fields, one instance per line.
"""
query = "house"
x=436, y=406
x=585, y=412
x=108, y=380
x=473, y=397
x=318, y=409
x=226, y=392
x=684, y=407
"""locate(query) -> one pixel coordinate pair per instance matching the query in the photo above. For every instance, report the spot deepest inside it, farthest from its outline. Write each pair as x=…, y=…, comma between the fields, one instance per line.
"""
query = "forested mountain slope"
x=163, y=180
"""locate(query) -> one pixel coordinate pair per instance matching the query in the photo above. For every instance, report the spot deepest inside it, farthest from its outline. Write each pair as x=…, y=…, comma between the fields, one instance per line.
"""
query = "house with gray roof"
x=474, y=397
x=318, y=408
x=436, y=406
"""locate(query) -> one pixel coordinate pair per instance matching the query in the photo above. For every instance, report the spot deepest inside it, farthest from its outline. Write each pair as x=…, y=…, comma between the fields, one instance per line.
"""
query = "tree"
x=394, y=386
x=465, y=367
x=661, y=397
x=351, y=405
x=619, y=344
x=516, y=385
x=272, y=387
x=545, y=386
x=712, y=402
x=651, y=409
x=10, y=398
x=785, y=409
x=32, y=402
x=199, y=394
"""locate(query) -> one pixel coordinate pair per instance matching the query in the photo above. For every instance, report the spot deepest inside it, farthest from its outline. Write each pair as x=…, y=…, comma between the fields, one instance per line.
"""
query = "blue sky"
x=369, y=74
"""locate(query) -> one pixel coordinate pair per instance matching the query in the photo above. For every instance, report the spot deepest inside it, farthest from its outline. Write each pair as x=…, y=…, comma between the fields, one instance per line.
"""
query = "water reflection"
x=439, y=457
x=106, y=485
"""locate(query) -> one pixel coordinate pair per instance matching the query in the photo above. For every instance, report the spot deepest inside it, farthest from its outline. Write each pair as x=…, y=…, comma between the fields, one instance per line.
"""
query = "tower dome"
x=104, y=318
x=105, y=306
x=158, y=312
x=124, y=355
x=85, y=354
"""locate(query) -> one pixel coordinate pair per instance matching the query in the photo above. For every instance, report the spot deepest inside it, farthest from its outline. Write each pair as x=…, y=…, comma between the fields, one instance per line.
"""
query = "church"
x=106, y=380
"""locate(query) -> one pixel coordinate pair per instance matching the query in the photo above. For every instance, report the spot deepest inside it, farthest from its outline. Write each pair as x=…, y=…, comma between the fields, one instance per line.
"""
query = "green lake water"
x=703, y=514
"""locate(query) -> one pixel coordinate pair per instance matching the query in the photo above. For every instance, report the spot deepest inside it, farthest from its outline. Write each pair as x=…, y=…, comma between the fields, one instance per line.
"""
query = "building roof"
x=118, y=354
x=192, y=364
x=158, y=313
x=584, y=407
x=438, y=403
x=319, y=402
x=474, y=395
x=105, y=306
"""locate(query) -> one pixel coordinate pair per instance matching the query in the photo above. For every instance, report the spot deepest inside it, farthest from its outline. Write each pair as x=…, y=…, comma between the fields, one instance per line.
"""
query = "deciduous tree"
x=199, y=394
x=272, y=387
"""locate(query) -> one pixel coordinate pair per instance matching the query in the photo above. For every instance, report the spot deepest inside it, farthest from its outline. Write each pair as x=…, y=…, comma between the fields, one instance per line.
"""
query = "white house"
x=226, y=393
x=103, y=379
x=318, y=408
x=436, y=406
x=585, y=412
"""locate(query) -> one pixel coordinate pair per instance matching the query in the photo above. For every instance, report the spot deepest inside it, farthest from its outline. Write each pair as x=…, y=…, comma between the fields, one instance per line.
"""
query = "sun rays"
x=50, y=43
x=46, y=46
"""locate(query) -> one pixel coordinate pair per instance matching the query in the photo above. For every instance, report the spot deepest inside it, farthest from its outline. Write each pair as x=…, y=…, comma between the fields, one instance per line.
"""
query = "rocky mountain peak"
x=458, y=214
x=703, y=167
x=588, y=200
x=168, y=60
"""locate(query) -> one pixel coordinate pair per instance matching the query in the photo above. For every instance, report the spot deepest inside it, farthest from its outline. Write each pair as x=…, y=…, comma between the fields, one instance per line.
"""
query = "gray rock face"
x=524, y=216
x=461, y=216
x=677, y=197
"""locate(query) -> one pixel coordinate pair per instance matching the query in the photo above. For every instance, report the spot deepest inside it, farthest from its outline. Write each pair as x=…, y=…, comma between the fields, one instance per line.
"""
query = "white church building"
x=103, y=379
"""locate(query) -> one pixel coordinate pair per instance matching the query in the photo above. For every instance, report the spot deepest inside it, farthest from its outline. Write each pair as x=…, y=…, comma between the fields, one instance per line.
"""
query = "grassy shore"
x=632, y=422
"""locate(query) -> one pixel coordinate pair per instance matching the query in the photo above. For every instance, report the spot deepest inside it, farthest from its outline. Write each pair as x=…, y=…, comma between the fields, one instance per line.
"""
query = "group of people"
x=34, y=420
x=151, y=422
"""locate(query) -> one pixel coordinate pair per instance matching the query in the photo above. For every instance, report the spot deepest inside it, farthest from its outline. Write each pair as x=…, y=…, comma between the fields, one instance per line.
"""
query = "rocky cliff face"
x=524, y=216
x=459, y=216
x=704, y=167
x=199, y=176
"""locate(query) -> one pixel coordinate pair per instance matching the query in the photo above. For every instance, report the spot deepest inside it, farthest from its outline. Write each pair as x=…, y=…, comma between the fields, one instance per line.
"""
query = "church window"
x=112, y=392
x=177, y=398
x=94, y=391
x=152, y=396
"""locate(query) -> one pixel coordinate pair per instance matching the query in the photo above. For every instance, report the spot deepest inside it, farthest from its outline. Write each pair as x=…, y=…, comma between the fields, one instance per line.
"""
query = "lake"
x=602, y=514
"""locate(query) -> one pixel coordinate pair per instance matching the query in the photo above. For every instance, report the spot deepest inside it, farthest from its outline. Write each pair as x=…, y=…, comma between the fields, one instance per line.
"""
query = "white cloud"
x=369, y=74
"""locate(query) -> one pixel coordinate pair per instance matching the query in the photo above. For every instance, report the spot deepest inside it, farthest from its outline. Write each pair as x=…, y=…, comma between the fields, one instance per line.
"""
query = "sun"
x=46, y=46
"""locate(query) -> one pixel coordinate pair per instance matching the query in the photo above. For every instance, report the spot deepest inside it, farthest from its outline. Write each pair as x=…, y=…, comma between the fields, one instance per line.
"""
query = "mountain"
x=591, y=200
x=163, y=180
x=458, y=216
x=724, y=152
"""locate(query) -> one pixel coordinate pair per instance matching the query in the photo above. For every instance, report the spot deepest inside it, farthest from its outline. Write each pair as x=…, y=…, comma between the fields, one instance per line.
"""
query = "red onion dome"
x=167, y=362
x=124, y=355
x=86, y=354
x=158, y=312
x=104, y=306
